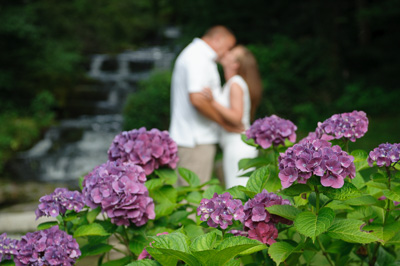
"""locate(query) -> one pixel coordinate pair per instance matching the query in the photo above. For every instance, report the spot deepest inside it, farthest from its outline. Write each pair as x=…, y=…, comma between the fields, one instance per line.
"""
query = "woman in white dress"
x=237, y=103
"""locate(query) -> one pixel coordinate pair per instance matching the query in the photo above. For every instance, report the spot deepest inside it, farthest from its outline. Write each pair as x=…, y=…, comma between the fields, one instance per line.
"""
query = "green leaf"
x=311, y=225
x=194, y=197
x=233, y=246
x=358, y=180
x=338, y=205
x=177, y=217
x=279, y=251
x=145, y=262
x=263, y=179
x=360, y=159
x=168, y=176
x=175, y=245
x=237, y=193
x=193, y=230
x=253, y=162
x=120, y=262
x=385, y=233
x=286, y=211
x=153, y=184
x=349, y=230
x=393, y=194
x=95, y=249
x=190, y=177
x=90, y=230
x=209, y=192
x=248, y=141
x=137, y=244
x=166, y=196
x=248, y=193
x=347, y=191
x=363, y=200
x=46, y=225
x=91, y=215
x=296, y=189
x=204, y=242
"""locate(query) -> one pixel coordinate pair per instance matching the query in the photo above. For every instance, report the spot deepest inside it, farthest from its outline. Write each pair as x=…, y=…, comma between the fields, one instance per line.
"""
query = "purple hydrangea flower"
x=149, y=149
x=318, y=158
x=271, y=130
x=264, y=232
x=255, y=212
x=120, y=191
x=220, y=210
x=8, y=247
x=384, y=155
x=351, y=126
x=59, y=202
x=47, y=247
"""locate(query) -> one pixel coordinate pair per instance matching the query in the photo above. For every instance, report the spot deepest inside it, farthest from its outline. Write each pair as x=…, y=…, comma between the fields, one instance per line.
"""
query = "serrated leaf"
x=338, y=205
x=91, y=215
x=349, y=230
x=164, y=209
x=145, y=262
x=237, y=193
x=204, y=242
x=153, y=184
x=363, y=200
x=393, y=194
x=95, y=249
x=385, y=233
x=137, y=244
x=177, y=217
x=176, y=254
x=311, y=225
x=347, y=191
x=286, y=211
x=372, y=184
x=209, y=192
x=253, y=162
x=233, y=246
x=191, y=178
x=168, y=176
x=263, y=179
x=249, y=142
x=279, y=251
x=358, y=180
x=120, y=262
x=360, y=159
x=248, y=193
x=296, y=189
x=46, y=225
x=194, y=197
x=90, y=230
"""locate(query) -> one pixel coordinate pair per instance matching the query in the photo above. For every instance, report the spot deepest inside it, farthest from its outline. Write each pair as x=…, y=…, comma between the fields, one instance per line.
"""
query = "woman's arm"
x=234, y=113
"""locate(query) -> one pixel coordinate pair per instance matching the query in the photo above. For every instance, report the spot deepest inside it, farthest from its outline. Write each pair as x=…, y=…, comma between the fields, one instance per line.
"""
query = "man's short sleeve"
x=198, y=75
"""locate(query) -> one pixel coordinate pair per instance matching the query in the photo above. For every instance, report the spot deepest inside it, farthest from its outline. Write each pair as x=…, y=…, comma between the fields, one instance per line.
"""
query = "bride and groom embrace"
x=204, y=114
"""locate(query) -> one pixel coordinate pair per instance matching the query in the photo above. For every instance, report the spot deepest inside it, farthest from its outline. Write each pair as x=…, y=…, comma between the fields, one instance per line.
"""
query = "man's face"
x=225, y=44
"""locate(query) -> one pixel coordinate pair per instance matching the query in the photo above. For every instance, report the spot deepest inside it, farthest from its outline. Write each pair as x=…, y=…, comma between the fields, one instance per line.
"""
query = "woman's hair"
x=248, y=70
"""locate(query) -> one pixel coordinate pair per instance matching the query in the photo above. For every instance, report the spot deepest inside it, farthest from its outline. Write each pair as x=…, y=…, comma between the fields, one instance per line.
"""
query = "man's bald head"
x=220, y=39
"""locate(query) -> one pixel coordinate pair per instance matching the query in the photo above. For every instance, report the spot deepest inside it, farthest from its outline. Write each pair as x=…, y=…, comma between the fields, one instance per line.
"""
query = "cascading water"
x=75, y=146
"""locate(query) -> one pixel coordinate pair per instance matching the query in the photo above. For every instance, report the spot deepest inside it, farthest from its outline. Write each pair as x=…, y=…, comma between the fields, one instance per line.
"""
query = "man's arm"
x=205, y=107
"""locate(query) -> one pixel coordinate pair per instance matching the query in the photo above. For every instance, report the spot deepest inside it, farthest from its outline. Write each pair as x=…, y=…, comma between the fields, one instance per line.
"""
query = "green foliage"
x=150, y=106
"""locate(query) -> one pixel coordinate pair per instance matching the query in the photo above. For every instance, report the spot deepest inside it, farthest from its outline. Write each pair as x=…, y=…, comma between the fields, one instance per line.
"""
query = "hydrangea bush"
x=306, y=203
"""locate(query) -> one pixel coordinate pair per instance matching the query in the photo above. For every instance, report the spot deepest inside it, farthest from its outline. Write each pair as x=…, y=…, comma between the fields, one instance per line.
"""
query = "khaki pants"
x=199, y=160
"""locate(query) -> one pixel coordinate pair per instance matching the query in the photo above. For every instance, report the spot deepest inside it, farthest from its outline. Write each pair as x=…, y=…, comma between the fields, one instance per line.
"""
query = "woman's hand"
x=207, y=93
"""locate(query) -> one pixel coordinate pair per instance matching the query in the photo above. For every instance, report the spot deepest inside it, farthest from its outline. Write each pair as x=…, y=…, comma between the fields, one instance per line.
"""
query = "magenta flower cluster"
x=317, y=158
x=384, y=155
x=59, y=202
x=120, y=191
x=258, y=222
x=47, y=247
x=351, y=126
x=8, y=247
x=271, y=130
x=149, y=149
x=220, y=210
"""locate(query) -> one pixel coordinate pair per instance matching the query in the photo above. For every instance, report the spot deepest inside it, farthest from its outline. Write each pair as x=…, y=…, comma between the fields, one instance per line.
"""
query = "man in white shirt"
x=194, y=121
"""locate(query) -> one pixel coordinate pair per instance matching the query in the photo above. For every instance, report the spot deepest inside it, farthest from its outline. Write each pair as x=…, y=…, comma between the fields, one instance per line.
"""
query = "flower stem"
x=126, y=240
x=324, y=252
x=388, y=173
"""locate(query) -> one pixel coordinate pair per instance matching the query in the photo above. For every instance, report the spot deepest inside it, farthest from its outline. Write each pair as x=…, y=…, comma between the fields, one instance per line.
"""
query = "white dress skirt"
x=233, y=148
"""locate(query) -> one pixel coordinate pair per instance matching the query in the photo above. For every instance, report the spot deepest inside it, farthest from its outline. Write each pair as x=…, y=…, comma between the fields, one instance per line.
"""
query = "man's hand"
x=205, y=107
